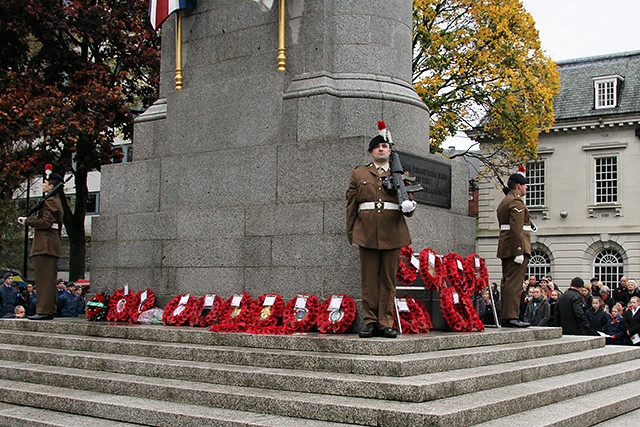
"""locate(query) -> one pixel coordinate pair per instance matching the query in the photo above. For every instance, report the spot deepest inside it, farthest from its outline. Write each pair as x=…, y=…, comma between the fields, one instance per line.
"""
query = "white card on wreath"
x=415, y=261
x=179, y=309
x=126, y=289
x=460, y=267
x=184, y=299
x=432, y=259
x=143, y=297
x=235, y=301
x=269, y=300
x=476, y=260
x=301, y=302
x=456, y=298
x=335, y=304
x=402, y=305
x=208, y=301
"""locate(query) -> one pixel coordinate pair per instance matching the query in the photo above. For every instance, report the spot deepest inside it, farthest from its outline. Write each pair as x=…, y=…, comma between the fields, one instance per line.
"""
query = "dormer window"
x=606, y=91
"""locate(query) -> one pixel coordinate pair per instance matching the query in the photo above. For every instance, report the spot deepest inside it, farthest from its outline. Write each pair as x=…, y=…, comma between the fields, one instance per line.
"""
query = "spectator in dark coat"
x=632, y=289
x=631, y=318
x=615, y=328
x=7, y=295
x=68, y=302
x=620, y=293
x=595, y=286
x=538, y=310
x=485, y=308
x=571, y=310
x=596, y=316
x=606, y=298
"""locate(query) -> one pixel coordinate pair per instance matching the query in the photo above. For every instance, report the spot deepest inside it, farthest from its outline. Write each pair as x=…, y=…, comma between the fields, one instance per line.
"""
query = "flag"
x=159, y=10
x=265, y=5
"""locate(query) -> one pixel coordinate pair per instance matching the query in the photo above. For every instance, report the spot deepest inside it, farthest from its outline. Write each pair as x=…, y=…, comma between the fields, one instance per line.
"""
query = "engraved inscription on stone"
x=434, y=176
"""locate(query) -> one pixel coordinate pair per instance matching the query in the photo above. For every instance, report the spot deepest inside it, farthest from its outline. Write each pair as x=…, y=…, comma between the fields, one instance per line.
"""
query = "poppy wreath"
x=235, y=319
x=433, y=276
x=337, y=321
x=407, y=273
x=206, y=317
x=473, y=319
x=265, y=316
x=296, y=320
x=169, y=315
x=461, y=317
x=477, y=274
x=414, y=320
x=425, y=312
x=455, y=272
x=97, y=307
x=119, y=306
x=138, y=306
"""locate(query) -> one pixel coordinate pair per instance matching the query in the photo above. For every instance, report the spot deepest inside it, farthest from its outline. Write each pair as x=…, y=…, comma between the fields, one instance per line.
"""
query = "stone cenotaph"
x=238, y=180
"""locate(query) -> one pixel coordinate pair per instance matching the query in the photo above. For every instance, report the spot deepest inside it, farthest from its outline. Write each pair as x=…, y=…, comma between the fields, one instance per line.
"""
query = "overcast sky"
x=578, y=28
x=572, y=29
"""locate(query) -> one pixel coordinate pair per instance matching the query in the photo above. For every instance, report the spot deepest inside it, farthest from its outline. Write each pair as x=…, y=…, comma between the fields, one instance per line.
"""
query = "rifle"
x=37, y=206
x=395, y=180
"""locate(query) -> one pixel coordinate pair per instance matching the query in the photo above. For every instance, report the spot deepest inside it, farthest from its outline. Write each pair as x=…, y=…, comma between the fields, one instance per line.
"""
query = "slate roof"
x=576, y=97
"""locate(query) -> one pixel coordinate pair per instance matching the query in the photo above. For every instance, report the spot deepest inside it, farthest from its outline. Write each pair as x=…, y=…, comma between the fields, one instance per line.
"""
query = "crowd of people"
x=583, y=309
x=18, y=300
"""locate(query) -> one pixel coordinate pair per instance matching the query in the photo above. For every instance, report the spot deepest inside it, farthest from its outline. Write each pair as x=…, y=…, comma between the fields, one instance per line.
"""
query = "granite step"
x=461, y=410
x=122, y=410
x=21, y=416
x=399, y=365
x=602, y=408
x=417, y=388
x=314, y=342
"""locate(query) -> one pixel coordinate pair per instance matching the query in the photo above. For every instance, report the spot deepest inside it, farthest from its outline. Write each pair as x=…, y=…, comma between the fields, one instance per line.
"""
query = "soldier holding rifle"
x=376, y=223
x=45, y=248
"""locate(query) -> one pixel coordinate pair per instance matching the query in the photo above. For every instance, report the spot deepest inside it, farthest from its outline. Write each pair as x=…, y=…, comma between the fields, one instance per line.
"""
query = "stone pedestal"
x=238, y=180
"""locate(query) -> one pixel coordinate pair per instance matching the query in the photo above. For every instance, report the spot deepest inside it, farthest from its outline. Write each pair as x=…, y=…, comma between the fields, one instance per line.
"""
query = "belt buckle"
x=379, y=205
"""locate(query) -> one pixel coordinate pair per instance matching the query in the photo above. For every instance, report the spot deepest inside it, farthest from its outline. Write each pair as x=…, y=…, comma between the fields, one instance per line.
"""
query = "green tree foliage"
x=71, y=72
x=478, y=63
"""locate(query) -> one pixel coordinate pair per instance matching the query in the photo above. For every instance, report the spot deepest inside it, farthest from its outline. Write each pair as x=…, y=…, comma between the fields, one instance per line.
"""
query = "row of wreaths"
x=268, y=314
x=454, y=276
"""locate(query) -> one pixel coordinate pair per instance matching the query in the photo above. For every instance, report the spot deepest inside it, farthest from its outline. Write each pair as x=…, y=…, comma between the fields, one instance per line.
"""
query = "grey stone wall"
x=238, y=180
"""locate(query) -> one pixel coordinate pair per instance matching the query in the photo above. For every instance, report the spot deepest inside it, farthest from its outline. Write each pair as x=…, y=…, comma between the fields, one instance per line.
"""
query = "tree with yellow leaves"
x=478, y=64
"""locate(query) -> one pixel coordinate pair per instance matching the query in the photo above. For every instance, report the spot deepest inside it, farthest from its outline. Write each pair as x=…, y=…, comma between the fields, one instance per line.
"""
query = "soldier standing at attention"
x=45, y=249
x=375, y=222
x=514, y=247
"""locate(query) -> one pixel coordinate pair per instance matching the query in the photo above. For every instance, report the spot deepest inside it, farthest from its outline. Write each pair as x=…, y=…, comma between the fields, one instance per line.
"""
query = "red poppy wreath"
x=336, y=314
x=206, y=310
x=266, y=315
x=236, y=314
x=119, y=305
x=432, y=271
x=413, y=320
x=145, y=300
x=455, y=271
x=97, y=307
x=407, y=273
x=458, y=311
x=178, y=311
x=300, y=313
x=476, y=273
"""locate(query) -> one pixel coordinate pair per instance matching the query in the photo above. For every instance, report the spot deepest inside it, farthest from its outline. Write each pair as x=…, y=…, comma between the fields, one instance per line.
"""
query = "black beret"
x=54, y=177
x=518, y=178
x=375, y=141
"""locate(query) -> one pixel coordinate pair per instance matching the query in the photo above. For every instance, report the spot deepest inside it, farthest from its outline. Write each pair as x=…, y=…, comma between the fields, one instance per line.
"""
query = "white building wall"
x=573, y=242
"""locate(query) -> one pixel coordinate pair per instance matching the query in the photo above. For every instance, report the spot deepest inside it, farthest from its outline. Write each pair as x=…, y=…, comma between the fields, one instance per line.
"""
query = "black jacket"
x=571, y=313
